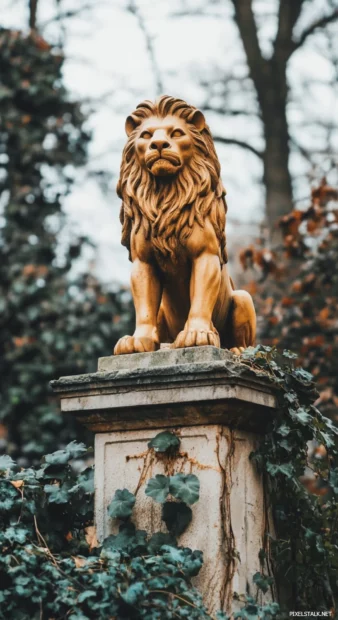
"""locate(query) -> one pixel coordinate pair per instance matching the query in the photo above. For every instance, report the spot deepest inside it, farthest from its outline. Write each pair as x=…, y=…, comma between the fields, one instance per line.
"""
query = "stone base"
x=228, y=520
x=218, y=406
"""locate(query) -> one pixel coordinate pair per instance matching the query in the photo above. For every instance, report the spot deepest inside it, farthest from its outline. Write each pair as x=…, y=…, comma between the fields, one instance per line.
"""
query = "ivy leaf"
x=128, y=539
x=283, y=430
x=286, y=469
x=303, y=375
x=263, y=582
x=16, y=534
x=327, y=440
x=6, y=462
x=73, y=451
x=164, y=442
x=85, y=482
x=158, y=540
x=134, y=592
x=190, y=561
x=57, y=494
x=185, y=487
x=301, y=415
x=83, y=596
x=122, y=504
x=158, y=488
x=333, y=480
x=284, y=443
x=289, y=354
x=176, y=516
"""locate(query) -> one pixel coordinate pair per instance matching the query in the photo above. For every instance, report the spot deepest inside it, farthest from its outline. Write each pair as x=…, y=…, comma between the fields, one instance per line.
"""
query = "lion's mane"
x=167, y=209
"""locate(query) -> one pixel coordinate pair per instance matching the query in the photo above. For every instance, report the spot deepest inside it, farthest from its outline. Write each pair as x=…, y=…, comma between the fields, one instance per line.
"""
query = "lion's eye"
x=177, y=133
x=146, y=135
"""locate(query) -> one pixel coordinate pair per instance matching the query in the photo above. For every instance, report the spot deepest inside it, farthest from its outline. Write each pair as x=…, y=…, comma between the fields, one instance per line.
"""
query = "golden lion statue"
x=173, y=223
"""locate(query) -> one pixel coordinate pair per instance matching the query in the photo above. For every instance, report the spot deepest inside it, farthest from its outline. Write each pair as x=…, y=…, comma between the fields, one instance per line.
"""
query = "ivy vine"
x=51, y=565
x=298, y=458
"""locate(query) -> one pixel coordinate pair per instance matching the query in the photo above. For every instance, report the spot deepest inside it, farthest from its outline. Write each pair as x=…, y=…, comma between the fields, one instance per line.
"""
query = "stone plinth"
x=218, y=407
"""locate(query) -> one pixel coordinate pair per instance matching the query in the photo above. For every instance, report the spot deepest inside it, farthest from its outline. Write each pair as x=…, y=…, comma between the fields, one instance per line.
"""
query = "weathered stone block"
x=229, y=518
x=218, y=406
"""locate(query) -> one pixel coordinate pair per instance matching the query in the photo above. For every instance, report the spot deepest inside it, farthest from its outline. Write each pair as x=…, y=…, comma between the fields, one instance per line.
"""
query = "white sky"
x=107, y=61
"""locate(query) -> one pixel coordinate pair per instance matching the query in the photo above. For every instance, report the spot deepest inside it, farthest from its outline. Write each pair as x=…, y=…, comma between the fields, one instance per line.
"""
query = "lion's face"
x=164, y=145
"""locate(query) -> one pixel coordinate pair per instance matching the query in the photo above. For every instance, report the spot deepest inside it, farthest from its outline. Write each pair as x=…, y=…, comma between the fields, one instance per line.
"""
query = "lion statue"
x=173, y=223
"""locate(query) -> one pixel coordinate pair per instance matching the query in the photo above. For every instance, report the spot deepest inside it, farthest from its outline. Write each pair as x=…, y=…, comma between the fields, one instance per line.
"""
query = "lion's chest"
x=175, y=263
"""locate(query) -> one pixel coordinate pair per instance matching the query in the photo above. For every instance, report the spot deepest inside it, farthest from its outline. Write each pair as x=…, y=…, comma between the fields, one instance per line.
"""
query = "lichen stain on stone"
x=172, y=463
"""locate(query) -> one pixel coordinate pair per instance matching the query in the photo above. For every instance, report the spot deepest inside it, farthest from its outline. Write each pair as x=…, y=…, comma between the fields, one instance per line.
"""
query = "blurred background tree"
x=267, y=70
x=297, y=291
x=51, y=324
x=264, y=71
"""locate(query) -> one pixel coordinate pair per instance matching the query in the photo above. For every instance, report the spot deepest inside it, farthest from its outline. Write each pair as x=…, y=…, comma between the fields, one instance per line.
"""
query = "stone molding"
x=170, y=387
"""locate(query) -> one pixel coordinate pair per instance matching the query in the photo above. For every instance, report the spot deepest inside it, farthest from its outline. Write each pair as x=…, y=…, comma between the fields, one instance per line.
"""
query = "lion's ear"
x=131, y=124
x=198, y=120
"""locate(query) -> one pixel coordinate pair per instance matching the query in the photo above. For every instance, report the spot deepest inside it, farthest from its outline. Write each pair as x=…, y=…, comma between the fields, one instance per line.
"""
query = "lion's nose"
x=159, y=144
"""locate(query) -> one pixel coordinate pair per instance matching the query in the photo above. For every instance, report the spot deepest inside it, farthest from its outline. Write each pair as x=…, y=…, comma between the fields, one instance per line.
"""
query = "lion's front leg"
x=204, y=288
x=146, y=290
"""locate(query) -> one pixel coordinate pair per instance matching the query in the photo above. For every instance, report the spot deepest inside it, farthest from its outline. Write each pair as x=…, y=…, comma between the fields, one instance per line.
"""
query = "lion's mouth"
x=168, y=158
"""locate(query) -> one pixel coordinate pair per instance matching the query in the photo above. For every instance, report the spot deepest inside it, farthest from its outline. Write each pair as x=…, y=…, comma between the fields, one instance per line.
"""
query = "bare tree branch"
x=32, y=7
x=319, y=23
x=289, y=11
x=240, y=143
x=134, y=10
x=67, y=14
x=222, y=110
x=245, y=20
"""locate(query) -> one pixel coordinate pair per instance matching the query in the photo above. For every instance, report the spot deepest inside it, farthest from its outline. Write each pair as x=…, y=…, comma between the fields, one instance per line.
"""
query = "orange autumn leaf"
x=90, y=534
x=322, y=194
x=323, y=315
x=79, y=561
x=21, y=342
x=102, y=299
x=17, y=483
x=287, y=301
x=29, y=270
x=297, y=286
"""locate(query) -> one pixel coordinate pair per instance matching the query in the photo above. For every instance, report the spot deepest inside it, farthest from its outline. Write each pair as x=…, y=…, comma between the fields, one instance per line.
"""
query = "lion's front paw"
x=237, y=350
x=133, y=344
x=189, y=337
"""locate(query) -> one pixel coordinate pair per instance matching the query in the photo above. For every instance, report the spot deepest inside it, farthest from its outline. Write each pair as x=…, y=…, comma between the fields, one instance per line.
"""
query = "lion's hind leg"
x=242, y=322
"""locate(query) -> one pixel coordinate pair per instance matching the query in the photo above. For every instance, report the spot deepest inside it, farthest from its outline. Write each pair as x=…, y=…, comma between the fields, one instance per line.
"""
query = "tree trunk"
x=32, y=7
x=277, y=178
x=270, y=82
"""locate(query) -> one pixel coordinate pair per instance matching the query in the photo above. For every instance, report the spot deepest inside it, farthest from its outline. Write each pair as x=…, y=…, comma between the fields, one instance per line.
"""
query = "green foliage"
x=177, y=516
x=49, y=325
x=185, y=487
x=49, y=569
x=305, y=509
x=164, y=442
x=52, y=567
x=158, y=488
x=262, y=581
x=251, y=610
x=121, y=505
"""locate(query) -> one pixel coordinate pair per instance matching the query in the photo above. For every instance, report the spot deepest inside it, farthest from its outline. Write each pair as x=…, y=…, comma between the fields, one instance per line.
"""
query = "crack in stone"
x=229, y=544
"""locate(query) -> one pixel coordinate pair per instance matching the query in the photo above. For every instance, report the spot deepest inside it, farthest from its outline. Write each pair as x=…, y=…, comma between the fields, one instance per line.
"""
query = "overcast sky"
x=108, y=63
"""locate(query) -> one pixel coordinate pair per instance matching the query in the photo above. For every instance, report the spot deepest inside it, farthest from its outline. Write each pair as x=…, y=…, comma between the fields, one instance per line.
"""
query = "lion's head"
x=170, y=175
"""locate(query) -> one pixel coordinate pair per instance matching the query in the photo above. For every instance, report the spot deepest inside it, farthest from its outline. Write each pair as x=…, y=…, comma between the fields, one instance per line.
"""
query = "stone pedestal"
x=218, y=407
